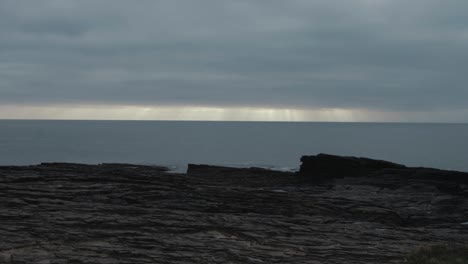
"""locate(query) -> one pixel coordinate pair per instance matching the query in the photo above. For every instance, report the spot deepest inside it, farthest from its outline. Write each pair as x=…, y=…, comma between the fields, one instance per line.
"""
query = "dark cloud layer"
x=387, y=55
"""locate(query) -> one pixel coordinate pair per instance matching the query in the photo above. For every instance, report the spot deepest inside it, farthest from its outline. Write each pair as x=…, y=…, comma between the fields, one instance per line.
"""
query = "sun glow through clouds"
x=212, y=113
x=196, y=113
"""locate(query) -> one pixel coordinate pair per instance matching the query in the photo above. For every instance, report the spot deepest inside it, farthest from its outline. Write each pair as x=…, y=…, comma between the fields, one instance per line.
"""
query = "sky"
x=253, y=60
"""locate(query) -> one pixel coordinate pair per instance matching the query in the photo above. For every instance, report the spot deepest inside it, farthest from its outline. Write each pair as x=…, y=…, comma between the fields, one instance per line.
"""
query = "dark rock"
x=324, y=166
x=123, y=213
x=241, y=176
x=219, y=171
x=376, y=214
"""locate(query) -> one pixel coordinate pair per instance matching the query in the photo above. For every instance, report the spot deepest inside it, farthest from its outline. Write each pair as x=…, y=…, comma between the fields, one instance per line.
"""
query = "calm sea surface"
x=277, y=145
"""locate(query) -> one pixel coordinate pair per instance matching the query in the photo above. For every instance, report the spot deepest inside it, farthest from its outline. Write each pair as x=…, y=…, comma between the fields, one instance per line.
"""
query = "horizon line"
x=233, y=121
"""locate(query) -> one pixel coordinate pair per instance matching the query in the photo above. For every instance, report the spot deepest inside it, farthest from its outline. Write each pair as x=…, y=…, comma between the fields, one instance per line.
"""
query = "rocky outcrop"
x=325, y=166
x=123, y=213
x=251, y=177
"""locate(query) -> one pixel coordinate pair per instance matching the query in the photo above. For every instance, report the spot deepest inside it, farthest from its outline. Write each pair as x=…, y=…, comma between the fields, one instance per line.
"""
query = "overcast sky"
x=359, y=60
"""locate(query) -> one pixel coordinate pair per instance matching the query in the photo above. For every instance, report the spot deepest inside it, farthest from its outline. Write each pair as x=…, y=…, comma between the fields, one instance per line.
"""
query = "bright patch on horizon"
x=208, y=113
x=196, y=113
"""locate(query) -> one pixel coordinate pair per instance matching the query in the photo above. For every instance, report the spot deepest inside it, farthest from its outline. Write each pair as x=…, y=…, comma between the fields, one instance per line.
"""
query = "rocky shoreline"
x=334, y=210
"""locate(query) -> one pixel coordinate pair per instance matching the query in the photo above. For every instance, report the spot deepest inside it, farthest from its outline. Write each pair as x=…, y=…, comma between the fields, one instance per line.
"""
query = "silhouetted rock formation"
x=123, y=213
x=242, y=176
x=324, y=166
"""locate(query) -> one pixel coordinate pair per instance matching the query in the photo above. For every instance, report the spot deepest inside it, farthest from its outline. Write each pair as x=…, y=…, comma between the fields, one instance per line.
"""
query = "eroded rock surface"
x=120, y=213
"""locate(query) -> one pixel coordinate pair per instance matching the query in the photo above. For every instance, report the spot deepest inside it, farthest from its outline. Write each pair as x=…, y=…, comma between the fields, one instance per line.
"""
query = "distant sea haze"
x=264, y=144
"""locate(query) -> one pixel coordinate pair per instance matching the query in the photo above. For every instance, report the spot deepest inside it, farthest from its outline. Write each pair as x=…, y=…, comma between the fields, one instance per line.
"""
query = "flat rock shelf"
x=123, y=213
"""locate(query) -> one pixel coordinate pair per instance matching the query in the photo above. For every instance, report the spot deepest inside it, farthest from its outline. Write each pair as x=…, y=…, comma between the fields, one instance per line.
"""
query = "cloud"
x=379, y=55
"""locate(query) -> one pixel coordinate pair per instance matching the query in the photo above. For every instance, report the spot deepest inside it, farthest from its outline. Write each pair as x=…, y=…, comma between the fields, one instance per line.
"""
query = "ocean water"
x=244, y=144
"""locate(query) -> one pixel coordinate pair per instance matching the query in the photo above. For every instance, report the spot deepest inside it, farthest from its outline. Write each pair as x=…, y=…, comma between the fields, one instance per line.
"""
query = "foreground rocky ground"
x=337, y=210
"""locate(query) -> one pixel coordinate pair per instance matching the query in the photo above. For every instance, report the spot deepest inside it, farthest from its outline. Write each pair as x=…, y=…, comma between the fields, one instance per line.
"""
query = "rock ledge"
x=366, y=212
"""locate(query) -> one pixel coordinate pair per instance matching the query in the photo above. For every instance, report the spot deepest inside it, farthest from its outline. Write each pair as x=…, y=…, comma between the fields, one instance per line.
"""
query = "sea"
x=273, y=145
